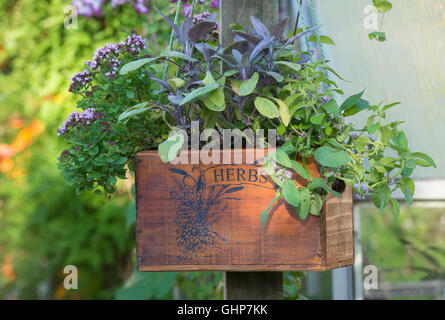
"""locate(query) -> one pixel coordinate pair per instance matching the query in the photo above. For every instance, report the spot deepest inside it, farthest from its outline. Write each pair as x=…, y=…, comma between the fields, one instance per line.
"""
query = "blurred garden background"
x=45, y=226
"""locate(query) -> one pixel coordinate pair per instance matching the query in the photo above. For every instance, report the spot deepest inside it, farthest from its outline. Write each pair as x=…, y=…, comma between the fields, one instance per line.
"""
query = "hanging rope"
x=317, y=34
x=306, y=36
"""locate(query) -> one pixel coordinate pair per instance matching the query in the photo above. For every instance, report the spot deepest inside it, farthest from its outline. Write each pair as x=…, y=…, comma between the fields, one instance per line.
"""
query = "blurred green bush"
x=44, y=225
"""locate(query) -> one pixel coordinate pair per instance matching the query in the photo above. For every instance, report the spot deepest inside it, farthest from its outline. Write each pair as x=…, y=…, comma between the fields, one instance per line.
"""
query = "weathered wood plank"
x=207, y=217
x=338, y=231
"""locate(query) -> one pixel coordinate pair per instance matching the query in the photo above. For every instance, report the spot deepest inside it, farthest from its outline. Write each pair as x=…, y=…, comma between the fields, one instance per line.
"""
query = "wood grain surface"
x=207, y=217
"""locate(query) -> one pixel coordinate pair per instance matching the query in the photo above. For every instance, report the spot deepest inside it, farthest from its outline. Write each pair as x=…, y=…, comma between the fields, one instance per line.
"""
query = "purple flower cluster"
x=83, y=119
x=201, y=17
x=106, y=59
x=89, y=8
x=362, y=189
x=65, y=155
x=214, y=4
x=324, y=99
x=80, y=80
x=134, y=44
x=93, y=8
x=391, y=179
x=281, y=172
x=341, y=122
x=141, y=7
x=187, y=8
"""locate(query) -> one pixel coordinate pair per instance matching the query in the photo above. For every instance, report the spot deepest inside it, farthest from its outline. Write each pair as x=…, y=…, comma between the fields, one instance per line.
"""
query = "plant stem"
x=178, y=8
x=298, y=18
x=193, y=8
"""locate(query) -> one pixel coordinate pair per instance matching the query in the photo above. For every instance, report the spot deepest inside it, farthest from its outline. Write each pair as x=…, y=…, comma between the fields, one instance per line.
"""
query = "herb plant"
x=260, y=81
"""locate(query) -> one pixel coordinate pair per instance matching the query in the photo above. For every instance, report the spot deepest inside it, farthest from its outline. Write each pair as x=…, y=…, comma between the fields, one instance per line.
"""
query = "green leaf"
x=382, y=5
x=284, y=111
x=267, y=108
x=379, y=36
x=134, y=110
x=427, y=160
x=379, y=201
x=130, y=94
x=288, y=147
x=210, y=118
x=230, y=73
x=265, y=213
x=395, y=208
x=330, y=157
x=278, y=77
x=305, y=203
x=381, y=197
x=248, y=86
x=209, y=78
x=198, y=93
x=300, y=170
x=317, y=119
x=386, y=133
x=342, y=137
x=400, y=141
x=388, y=162
x=324, y=66
x=331, y=107
x=280, y=157
x=371, y=126
x=361, y=142
x=336, y=144
x=359, y=106
x=323, y=39
x=176, y=83
x=294, y=66
x=281, y=129
x=121, y=161
x=134, y=65
x=180, y=55
x=389, y=106
x=320, y=183
x=316, y=205
x=215, y=100
x=408, y=188
x=169, y=149
x=290, y=192
x=351, y=101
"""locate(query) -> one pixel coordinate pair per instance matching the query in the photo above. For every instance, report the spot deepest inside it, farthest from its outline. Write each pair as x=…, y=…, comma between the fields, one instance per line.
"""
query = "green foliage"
x=408, y=251
x=147, y=285
x=271, y=85
x=44, y=224
x=381, y=6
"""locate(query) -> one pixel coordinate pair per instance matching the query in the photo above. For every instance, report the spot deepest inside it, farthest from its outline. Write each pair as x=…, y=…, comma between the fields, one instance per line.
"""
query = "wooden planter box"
x=207, y=217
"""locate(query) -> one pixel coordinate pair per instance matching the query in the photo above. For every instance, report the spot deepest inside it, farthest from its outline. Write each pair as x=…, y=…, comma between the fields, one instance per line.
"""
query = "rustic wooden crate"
x=176, y=231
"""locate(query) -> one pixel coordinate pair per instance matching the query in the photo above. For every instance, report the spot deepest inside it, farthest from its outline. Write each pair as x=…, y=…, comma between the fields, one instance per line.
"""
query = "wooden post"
x=240, y=11
x=253, y=285
x=249, y=285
